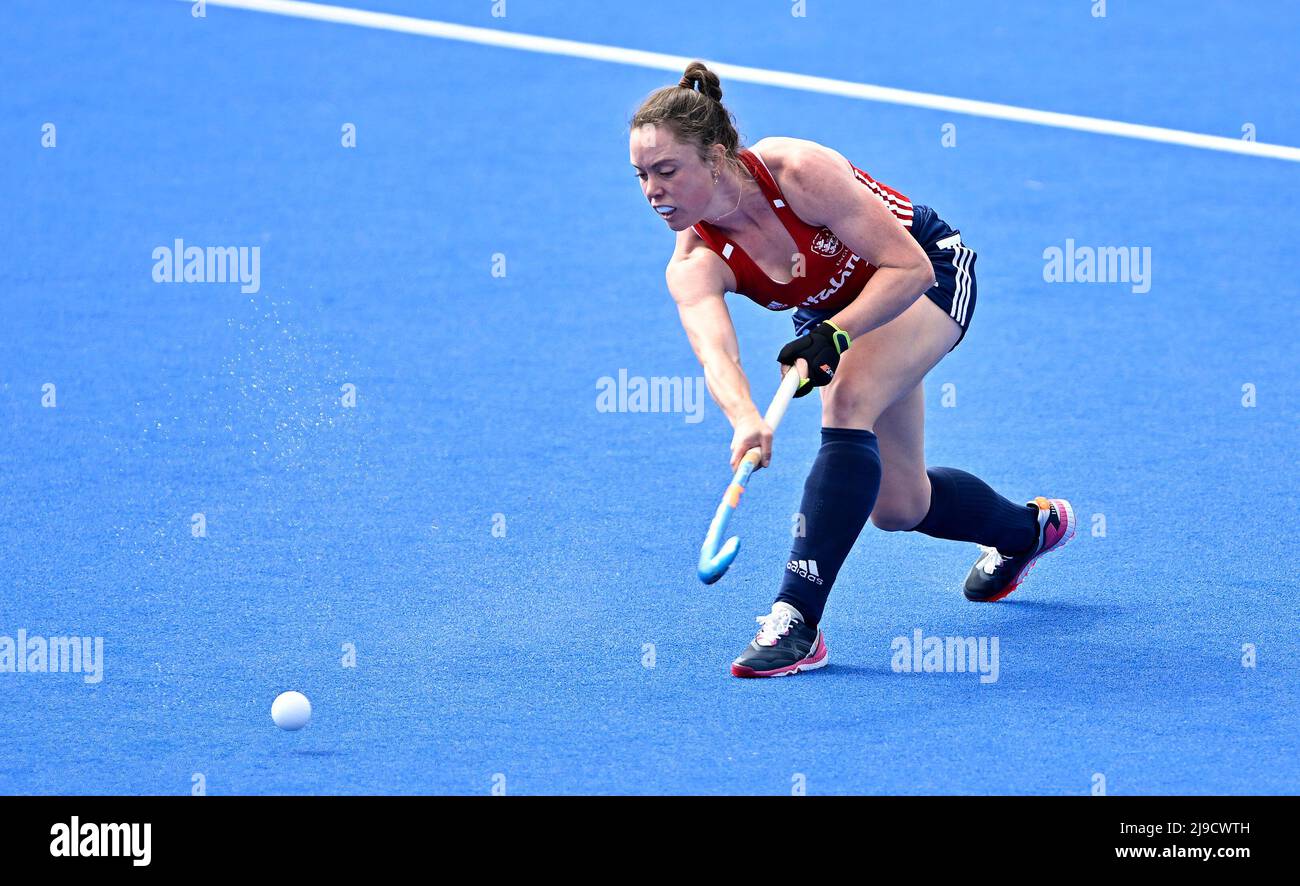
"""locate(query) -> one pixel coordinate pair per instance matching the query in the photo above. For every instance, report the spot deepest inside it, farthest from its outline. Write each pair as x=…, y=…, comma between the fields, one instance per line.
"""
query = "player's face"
x=676, y=182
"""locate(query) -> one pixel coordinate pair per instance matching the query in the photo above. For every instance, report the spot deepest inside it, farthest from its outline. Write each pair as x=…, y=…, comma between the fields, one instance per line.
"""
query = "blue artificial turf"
x=522, y=651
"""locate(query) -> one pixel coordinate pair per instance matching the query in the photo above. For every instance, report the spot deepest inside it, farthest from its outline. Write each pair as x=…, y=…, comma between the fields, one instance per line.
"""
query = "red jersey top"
x=833, y=275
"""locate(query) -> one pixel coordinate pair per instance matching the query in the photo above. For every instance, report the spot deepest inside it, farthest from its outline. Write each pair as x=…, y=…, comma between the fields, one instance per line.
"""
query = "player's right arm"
x=698, y=281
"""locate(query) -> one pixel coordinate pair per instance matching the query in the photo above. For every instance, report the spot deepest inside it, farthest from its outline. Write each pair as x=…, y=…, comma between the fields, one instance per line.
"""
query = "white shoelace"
x=992, y=559
x=772, y=627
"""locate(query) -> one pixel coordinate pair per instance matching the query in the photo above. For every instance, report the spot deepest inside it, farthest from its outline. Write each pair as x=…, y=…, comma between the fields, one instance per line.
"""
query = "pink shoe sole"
x=817, y=658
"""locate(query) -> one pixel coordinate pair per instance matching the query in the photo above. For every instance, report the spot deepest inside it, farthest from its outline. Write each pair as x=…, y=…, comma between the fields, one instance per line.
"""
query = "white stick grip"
x=781, y=401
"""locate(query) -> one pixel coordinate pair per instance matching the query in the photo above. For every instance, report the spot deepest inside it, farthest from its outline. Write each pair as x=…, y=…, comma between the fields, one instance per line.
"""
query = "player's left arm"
x=820, y=187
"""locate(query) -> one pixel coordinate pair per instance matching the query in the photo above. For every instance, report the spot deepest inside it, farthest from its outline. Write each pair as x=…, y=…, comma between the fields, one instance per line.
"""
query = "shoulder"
x=810, y=175
x=799, y=160
x=694, y=265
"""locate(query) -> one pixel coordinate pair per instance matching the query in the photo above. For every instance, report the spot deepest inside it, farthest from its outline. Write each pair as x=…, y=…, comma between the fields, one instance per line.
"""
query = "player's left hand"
x=821, y=348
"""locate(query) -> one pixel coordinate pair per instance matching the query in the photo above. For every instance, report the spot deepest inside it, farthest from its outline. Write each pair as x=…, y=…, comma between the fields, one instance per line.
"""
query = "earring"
x=715, y=176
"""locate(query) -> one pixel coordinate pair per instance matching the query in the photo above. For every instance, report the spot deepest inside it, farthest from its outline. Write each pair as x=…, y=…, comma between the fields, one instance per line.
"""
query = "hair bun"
x=698, y=77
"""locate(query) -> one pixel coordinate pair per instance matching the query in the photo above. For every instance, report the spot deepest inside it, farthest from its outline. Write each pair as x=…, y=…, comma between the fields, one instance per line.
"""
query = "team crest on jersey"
x=826, y=243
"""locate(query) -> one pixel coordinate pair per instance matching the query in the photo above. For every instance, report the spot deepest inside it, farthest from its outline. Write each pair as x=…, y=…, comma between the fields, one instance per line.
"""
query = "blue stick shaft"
x=715, y=555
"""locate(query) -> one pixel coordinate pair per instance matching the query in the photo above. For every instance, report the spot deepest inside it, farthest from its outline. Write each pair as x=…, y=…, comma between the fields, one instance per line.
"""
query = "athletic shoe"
x=996, y=574
x=784, y=645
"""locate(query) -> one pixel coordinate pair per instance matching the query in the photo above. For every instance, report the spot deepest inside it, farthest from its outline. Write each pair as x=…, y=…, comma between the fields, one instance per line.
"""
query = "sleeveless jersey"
x=833, y=274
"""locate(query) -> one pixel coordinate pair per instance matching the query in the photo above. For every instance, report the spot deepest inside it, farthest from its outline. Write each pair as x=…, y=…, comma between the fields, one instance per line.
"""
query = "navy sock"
x=965, y=508
x=838, y=497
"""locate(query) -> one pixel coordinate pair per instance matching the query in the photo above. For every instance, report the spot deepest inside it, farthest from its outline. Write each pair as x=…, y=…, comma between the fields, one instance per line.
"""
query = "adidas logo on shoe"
x=805, y=569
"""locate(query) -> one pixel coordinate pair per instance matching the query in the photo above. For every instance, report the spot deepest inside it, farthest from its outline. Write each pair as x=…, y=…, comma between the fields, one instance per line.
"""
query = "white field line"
x=675, y=63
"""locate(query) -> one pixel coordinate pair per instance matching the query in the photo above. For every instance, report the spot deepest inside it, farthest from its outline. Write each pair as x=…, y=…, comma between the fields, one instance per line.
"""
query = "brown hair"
x=694, y=111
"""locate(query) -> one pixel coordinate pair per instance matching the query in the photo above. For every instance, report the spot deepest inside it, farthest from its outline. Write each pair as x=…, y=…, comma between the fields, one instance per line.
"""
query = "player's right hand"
x=751, y=431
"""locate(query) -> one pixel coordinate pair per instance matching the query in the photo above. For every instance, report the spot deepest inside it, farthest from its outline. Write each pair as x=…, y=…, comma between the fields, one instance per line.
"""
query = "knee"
x=900, y=514
x=892, y=521
x=847, y=407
